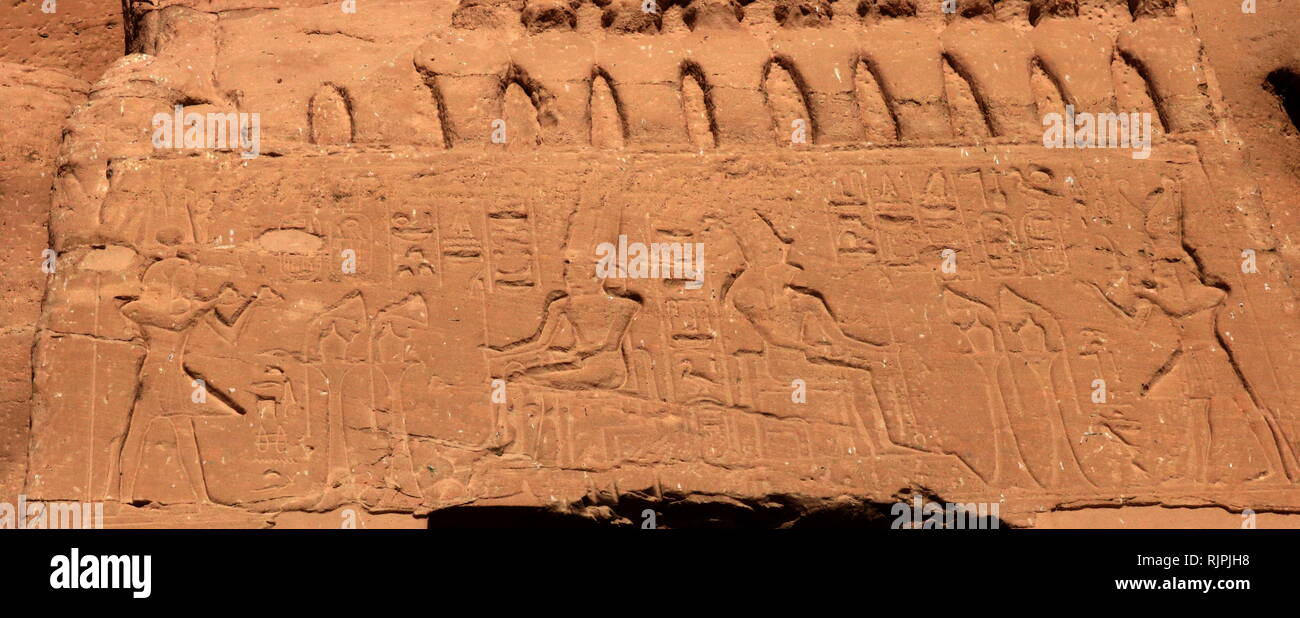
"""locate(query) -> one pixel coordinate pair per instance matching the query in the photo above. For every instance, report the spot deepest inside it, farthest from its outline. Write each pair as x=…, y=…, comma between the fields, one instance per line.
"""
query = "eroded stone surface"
x=397, y=305
x=42, y=100
x=81, y=37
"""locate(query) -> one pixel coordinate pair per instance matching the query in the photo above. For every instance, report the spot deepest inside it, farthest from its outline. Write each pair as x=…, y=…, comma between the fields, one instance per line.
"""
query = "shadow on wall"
x=632, y=510
x=1285, y=85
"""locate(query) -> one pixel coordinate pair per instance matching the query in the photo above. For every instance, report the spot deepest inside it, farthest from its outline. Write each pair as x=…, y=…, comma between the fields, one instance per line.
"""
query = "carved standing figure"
x=168, y=306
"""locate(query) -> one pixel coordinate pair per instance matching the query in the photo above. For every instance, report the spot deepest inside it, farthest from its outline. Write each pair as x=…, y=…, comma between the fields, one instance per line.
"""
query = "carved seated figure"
x=802, y=338
x=580, y=344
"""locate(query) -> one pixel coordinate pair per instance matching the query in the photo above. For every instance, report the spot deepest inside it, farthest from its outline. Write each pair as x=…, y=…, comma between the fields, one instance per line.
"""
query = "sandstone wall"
x=81, y=37
x=904, y=290
x=38, y=102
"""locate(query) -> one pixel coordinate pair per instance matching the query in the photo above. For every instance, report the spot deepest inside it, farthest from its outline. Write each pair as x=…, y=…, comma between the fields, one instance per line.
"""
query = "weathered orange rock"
x=40, y=102
x=81, y=37
x=547, y=253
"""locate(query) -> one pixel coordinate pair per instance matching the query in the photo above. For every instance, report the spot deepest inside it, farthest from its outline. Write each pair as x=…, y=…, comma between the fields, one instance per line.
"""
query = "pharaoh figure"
x=1075, y=53
x=580, y=342
x=801, y=337
x=732, y=64
x=1167, y=54
x=180, y=52
x=168, y=306
x=907, y=61
x=467, y=70
x=554, y=65
x=996, y=60
x=644, y=69
x=823, y=61
x=1215, y=391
